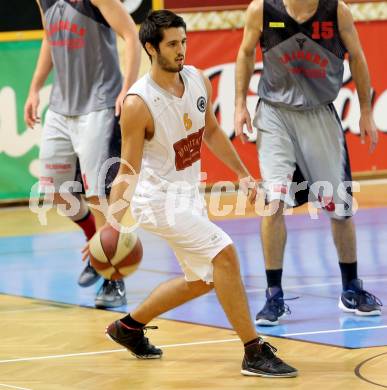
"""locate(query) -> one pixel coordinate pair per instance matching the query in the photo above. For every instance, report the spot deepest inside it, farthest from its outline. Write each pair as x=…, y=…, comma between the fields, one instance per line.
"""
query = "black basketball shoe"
x=133, y=340
x=359, y=301
x=274, y=309
x=260, y=360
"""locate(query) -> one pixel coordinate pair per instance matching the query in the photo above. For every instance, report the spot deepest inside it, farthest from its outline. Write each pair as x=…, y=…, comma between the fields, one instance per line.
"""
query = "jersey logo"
x=301, y=42
x=304, y=62
x=187, y=122
x=351, y=302
x=187, y=150
x=276, y=24
x=201, y=104
x=76, y=34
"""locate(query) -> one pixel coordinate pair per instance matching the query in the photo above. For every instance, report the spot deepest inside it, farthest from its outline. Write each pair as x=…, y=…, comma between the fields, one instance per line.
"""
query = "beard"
x=169, y=66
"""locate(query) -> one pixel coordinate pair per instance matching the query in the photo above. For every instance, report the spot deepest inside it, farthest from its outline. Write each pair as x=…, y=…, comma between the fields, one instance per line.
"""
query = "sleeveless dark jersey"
x=302, y=62
x=83, y=48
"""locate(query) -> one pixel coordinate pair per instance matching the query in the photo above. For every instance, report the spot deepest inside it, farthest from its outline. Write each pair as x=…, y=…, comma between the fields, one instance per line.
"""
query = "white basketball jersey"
x=172, y=156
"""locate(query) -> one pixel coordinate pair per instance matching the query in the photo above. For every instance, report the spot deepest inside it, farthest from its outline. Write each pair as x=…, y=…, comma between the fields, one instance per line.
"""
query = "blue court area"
x=47, y=267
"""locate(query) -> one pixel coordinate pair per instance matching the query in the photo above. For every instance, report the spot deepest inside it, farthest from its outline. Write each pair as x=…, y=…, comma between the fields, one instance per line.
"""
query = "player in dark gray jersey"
x=300, y=138
x=80, y=47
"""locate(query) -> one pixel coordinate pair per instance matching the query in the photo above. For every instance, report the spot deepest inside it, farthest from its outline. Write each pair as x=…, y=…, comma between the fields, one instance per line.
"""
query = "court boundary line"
x=315, y=285
x=15, y=387
x=334, y=331
x=361, y=376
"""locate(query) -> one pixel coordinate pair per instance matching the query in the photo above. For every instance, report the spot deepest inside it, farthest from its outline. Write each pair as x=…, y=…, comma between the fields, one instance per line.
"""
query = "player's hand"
x=120, y=102
x=86, y=251
x=31, y=110
x=368, y=127
x=249, y=187
x=241, y=118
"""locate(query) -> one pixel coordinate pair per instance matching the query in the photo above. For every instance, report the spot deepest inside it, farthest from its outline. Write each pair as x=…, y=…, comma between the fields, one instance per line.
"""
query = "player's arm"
x=220, y=145
x=122, y=23
x=42, y=70
x=217, y=140
x=135, y=121
x=359, y=71
x=245, y=65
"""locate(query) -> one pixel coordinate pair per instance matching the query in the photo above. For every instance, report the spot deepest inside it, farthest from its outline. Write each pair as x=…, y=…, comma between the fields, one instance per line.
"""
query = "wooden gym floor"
x=47, y=344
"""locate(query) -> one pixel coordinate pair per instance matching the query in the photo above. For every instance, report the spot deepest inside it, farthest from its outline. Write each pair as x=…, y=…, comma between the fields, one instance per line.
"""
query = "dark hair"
x=152, y=28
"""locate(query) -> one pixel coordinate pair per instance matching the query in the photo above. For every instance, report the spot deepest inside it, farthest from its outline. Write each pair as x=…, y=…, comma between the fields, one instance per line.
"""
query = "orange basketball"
x=114, y=254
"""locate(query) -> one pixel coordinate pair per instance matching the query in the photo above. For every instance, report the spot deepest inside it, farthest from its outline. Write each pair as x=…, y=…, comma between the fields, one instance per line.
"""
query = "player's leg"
x=89, y=223
x=129, y=331
x=344, y=237
x=207, y=256
x=273, y=238
x=167, y=296
x=231, y=293
x=228, y=286
x=353, y=299
x=273, y=235
x=259, y=359
x=331, y=183
x=74, y=206
x=277, y=164
x=91, y=135
x=57, y=171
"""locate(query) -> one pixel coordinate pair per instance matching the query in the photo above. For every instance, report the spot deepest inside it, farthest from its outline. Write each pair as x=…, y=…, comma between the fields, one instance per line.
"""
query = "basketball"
x=114, y=254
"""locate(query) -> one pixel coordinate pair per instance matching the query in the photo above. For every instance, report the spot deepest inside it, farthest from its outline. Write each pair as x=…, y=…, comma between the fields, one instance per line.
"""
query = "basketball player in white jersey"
x=165, y=117
x=80, y=46
x=300, y=138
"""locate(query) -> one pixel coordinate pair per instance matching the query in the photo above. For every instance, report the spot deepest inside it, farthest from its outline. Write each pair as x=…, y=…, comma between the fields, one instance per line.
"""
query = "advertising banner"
x=19, y=146
x=215, y=53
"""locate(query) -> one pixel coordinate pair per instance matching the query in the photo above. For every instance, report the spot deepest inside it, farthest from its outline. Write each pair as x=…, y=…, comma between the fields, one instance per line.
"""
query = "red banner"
x=215, y=52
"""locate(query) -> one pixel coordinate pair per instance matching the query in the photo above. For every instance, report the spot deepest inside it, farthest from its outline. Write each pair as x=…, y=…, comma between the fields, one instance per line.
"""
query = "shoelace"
x=272, y=348
x=372, y=299
x=110, y=285
x=145, y=328
x=144, y=341
x=269, y=351
x=287, y=309
x=141, y=333
x=281, y=301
